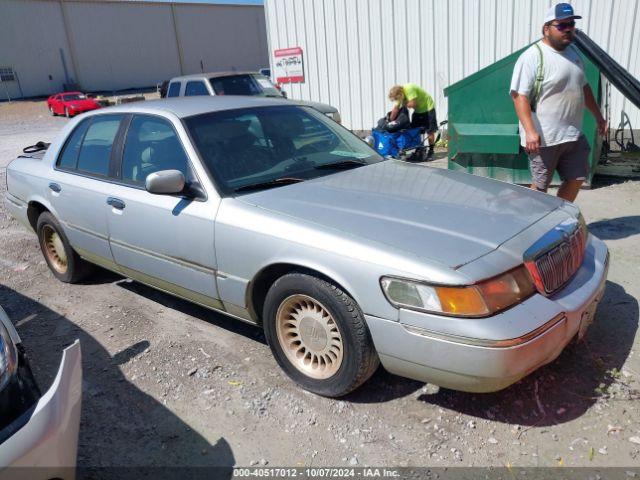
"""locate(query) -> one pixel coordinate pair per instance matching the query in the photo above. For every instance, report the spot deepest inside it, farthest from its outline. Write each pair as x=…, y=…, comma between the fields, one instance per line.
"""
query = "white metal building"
x=112, y=45
x=355, y=50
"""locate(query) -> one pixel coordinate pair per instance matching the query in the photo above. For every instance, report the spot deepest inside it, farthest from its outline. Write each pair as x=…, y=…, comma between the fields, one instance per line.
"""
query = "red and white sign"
x=288, y=65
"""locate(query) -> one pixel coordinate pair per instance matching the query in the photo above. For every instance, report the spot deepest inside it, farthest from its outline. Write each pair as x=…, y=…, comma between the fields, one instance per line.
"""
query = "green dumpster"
x=483, y=126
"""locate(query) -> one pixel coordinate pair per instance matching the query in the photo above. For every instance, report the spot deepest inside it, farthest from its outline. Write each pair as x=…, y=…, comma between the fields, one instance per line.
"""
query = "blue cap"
x=561, y=11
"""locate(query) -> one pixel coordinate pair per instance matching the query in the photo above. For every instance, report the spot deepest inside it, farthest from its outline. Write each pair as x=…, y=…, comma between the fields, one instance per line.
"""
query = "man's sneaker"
x=430, y=154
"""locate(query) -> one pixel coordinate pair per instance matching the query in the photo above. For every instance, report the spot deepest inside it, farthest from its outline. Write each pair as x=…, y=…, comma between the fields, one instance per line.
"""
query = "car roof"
x=188, y=106
x=196, y=76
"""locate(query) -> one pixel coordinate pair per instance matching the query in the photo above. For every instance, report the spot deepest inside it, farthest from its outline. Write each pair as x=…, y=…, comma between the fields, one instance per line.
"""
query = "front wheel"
x=318, y=335
x=65, y=264
x=66, y=112
x=53, y=113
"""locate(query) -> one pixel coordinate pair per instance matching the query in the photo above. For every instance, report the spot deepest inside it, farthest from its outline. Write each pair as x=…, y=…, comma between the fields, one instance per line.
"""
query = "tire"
x=53, y=114
x=66, y=112
x=65, y=264
x=318, y=335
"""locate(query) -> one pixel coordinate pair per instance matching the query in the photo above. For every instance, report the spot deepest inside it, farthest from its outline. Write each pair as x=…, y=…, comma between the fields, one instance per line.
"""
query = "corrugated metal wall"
x=112, y=45
x=354, y=50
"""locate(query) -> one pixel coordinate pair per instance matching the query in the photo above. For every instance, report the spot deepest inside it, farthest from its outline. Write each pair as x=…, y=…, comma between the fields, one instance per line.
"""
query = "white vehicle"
x=37, y=430
x=237, y=83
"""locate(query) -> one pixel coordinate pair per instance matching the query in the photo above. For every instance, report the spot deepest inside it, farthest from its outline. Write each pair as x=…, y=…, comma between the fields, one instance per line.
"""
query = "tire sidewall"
x=319, y=290
x=47, y=219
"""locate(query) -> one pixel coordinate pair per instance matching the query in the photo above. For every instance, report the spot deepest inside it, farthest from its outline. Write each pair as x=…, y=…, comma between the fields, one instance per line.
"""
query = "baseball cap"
x=562, y=11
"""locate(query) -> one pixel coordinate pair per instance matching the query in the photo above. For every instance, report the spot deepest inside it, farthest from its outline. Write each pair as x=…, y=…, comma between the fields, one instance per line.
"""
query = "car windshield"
x=245, y=84
x=74, y=96
x=268, y=147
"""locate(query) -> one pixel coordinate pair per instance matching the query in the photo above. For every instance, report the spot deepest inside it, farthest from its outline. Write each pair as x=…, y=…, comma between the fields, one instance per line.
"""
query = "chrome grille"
x=552, y=269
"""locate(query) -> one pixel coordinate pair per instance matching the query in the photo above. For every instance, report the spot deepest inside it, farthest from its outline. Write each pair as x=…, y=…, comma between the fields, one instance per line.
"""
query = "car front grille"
x=554, y=267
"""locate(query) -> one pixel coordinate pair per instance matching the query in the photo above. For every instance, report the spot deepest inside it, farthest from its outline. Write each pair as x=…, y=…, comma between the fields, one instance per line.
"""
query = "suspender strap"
x=537, y=84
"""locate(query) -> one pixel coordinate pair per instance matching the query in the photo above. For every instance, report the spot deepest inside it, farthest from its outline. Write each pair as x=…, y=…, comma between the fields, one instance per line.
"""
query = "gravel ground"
x=169, y=383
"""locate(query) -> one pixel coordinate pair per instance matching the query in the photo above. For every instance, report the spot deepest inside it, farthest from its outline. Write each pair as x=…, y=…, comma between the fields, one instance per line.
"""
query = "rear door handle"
x=55, y=187
x=116, y=203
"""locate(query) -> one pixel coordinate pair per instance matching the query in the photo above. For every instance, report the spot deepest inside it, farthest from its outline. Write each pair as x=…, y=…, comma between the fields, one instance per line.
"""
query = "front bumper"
x=484, y=361
x=49, y=439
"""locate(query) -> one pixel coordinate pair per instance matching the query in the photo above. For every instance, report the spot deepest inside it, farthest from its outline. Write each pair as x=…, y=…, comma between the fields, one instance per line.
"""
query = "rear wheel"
x=318, y=335
x=66, y=112
x=65, y=264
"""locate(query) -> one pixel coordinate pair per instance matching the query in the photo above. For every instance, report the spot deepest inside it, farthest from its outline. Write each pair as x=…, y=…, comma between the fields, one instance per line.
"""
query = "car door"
x=81, y=183
x=55, y=103
x=163, y=240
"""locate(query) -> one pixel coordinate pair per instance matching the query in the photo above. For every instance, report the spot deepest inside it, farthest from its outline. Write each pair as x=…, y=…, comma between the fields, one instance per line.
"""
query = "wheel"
x=53, y=114
x=66, y=112
x=63, y=261
x=318, y=335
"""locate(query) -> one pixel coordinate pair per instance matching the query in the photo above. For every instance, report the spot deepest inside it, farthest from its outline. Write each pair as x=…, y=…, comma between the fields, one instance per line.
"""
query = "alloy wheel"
x=309, y=336
x=54, y=249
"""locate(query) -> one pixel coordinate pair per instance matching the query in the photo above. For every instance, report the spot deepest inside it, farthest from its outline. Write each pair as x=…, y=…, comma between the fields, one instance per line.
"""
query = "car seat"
x=281, y=130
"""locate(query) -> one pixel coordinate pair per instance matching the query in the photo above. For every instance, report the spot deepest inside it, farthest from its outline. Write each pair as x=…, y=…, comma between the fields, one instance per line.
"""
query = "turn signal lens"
x=462, y=301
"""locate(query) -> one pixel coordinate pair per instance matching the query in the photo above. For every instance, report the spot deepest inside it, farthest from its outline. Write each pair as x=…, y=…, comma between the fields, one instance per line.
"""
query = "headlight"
x=335, y=116
x=8, y=357
x=480, y=300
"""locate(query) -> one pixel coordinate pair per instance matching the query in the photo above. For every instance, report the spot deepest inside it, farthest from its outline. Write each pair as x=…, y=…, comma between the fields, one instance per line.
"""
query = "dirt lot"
x=169, y=383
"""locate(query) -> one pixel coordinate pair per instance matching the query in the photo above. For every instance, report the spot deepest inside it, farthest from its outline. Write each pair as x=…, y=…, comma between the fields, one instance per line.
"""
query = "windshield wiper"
x=271, y=183
x=351, y=163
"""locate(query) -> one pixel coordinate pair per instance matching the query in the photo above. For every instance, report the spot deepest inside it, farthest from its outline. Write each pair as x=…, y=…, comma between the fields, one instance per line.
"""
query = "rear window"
x=174, y=89
x=69, y=156
x=244, y=85
x=195, y=88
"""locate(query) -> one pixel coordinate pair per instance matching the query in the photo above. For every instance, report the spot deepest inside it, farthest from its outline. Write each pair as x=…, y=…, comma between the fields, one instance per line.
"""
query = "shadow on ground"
x=183, y=306
x=382, y=387
x=616, y=228
x=569, y=386
x=122, y=427
x=556, y=393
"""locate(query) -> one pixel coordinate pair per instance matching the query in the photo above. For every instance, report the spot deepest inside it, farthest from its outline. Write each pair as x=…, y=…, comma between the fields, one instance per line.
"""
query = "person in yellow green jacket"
x=412, y=96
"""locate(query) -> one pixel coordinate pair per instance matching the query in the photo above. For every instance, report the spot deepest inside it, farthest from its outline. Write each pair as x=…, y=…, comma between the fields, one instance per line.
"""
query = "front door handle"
x=116, y=203
x=55, y=187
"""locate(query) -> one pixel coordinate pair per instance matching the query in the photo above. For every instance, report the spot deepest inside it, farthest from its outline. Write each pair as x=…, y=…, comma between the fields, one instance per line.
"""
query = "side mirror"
x=165, y=182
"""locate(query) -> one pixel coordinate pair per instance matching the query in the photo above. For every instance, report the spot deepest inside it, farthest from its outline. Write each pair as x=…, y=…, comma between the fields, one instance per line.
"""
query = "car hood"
x=321, y=107
x=447, y=217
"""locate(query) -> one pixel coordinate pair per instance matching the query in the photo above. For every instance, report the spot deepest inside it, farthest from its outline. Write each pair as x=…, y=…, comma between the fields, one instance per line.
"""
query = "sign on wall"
x=289, y=67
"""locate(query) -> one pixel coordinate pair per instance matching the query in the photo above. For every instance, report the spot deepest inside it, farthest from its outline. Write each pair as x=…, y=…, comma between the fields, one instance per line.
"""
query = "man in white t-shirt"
x=549, y=91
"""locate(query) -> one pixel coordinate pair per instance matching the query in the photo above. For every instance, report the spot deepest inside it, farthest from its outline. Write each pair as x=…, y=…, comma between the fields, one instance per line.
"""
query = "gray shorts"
x=570, y=159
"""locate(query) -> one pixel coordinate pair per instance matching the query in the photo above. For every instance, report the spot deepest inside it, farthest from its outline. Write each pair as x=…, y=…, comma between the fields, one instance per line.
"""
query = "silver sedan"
x=269, y=212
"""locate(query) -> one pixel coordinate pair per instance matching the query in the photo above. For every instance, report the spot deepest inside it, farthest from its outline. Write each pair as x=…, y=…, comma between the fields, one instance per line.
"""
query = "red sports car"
x=70, y=103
